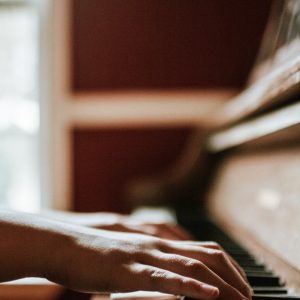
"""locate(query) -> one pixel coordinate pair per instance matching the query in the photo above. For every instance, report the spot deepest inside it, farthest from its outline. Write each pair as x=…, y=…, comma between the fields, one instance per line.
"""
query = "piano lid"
x=282, y=125
x=276, y=75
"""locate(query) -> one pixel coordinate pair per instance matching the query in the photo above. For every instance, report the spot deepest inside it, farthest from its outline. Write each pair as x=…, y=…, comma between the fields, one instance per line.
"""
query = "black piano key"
x=275, y=297
x=237, y=251
x=240, y=256
x=256, y=270
x=264, y=280
x=246, y=260
x=269, y=290
x=261, y=268
x=250, y=265
x=258, y=273
x=266, y=297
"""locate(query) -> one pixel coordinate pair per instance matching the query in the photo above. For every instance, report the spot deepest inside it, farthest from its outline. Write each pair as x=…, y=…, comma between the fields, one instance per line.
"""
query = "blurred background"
x=97, y=93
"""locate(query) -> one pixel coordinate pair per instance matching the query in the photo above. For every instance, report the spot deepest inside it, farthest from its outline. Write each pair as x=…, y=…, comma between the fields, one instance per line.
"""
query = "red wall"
x=164, y=43
x=105, y=160
x=135, y=44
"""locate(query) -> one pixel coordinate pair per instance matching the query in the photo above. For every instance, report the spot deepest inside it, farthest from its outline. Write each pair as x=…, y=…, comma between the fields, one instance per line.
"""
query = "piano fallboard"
x=255, y=196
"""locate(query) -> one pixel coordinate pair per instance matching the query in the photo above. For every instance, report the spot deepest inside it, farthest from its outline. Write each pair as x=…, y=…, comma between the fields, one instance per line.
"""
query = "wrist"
x=27, y=244
x=54, y=244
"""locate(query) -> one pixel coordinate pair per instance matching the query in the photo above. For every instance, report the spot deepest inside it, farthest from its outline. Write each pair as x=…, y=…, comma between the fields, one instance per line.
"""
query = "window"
x=19, y=106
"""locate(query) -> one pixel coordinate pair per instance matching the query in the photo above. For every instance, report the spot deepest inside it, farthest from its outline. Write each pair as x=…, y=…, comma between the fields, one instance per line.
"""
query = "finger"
x=160, y=230
x=232, y=278
x=168, y=231
x=195, y=269
x=149, y=278
x=179, y=232
x=214, y=245
x=119, y=227
x=125, y=228
x=140, y=228
x=216, y=260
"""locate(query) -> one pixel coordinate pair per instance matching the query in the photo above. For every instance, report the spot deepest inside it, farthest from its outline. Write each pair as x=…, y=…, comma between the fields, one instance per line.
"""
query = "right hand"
x=103, y=261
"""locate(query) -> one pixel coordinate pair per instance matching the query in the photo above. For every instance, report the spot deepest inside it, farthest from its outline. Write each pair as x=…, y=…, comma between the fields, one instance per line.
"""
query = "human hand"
x=123, y=223
x=102, y=261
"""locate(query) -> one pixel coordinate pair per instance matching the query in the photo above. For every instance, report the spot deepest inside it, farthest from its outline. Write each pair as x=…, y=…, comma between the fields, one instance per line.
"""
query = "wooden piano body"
x=256, y=194
x=244, y=174
x=246, y=170
x=247, y=175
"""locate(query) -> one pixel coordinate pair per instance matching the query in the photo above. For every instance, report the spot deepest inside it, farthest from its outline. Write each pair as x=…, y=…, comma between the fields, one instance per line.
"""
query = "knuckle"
x=156, y=277
x=157, y=274
x=180, y=283
x=156, y=231
x=214, y=245
x=220, y=256
x=161, y=245
x=143, y=254
x=194, y=265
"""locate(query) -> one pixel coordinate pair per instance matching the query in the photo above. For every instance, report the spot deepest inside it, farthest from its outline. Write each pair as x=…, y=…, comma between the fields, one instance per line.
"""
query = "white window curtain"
x=19, y=106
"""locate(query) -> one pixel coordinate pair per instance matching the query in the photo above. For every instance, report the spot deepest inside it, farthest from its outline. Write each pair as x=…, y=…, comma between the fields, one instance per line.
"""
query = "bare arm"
x=28, y=244
x=93, y=260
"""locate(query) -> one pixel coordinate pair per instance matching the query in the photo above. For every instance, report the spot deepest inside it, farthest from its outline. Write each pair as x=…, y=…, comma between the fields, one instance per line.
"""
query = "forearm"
x=29, y=245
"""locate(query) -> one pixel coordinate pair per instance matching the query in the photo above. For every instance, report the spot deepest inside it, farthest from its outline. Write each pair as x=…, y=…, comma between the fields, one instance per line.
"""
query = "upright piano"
x=239, y=184
x=247, y=173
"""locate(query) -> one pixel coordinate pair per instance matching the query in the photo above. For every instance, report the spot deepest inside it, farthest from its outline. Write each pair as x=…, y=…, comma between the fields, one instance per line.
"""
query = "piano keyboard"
x=265, y=284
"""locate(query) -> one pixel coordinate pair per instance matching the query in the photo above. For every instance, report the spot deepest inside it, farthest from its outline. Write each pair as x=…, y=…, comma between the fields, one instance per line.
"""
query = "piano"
x=240, y=183
x=246, y=176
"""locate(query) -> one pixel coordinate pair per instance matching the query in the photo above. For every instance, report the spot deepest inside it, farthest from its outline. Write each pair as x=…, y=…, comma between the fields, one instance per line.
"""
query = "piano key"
x=247, y=265
x=264, y=280
x=248, y=261
x=240, y=254
x=255, y=269
x=258, y=273
x=269, y=290
x=266, y=286
x=266, y=297
x=275, y=297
